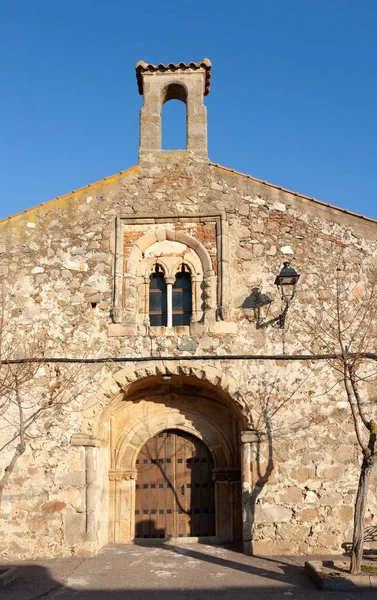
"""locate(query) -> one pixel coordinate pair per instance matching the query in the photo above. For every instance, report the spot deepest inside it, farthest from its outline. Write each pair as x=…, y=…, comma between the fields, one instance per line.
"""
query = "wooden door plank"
x=169, y=475
x=174, y=487
x=152, y=487
x=138, y=499
x=180, y=486
x=161, y=484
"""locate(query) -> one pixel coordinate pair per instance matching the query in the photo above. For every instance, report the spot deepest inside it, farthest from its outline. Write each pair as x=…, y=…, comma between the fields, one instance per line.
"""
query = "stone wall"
x=58, y=264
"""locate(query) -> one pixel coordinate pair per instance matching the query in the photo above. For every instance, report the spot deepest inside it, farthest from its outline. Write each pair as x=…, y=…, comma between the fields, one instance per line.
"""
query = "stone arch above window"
x=160, y=235
x=194, y=243
x=172, y=256
x=172, y=250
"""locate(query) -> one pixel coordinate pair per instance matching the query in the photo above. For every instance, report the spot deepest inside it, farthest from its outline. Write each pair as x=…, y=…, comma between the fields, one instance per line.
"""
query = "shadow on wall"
x=256, y=300
x=253, y=305
x=370, y=537
x=263, y=469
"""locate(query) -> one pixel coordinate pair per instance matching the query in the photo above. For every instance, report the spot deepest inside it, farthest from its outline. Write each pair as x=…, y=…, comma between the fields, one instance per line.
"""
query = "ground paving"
x=168, y=572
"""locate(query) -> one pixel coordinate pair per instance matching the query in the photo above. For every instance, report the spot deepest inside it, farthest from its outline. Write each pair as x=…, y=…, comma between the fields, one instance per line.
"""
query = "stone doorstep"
x=336, y=580
x=7, y=576
x=208, y=539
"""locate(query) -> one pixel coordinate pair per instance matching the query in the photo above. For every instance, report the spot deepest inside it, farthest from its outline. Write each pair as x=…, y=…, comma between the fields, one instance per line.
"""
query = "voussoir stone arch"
x=146, y=269
x=116, y=388
x=174, y=90
x=145, y=424
x=152, y=237
x=136, y=300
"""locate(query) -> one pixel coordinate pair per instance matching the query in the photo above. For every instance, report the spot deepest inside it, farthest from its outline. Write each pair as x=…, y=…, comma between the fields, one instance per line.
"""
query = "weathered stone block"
x=271, y=513
x=53, y=506
x=292, y=495
x=187, y=345
x=303, y=474
x=74, y=528
x=115, y=330
x=331, y=472
x=223, y=327
x=308, y=514
x=294, y=533
x=75, y=479
x=330, y=499
x=343, y=513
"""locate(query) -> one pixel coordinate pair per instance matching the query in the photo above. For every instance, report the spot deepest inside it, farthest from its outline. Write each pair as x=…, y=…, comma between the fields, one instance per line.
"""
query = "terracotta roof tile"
x=142, y=67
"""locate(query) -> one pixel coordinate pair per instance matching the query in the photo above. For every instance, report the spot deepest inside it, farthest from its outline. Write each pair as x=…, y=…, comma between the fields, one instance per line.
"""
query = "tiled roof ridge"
x=142, y=66
x=80, y=189
x=279, y=187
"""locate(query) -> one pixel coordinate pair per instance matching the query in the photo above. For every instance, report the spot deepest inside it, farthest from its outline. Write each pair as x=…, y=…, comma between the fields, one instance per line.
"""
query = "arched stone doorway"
x=139, y=402
x=174, y=488
x=157, y=404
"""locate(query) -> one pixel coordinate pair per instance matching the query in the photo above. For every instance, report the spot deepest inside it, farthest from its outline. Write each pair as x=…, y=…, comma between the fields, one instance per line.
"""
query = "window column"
x=169, y=290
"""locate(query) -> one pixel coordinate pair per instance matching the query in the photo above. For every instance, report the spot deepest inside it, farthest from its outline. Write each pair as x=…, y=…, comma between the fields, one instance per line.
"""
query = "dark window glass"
x=183, y=280
x=157, y=299
x=182, y=298
x=157, y=281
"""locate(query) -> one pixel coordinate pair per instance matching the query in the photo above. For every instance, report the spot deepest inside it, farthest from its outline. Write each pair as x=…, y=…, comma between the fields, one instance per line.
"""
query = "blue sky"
x=292, y=101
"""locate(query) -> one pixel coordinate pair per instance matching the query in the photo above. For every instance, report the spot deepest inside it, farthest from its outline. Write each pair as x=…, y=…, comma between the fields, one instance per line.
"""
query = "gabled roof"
x=142, y=67
x=279, y=187
x=134, y=169
x=88, y=186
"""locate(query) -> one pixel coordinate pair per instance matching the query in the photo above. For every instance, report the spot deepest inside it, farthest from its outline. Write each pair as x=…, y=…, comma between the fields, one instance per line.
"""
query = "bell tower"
x=159, y=84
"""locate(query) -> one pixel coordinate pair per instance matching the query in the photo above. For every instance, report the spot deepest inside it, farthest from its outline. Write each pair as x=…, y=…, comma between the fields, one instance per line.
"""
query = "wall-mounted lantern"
x=286, y=282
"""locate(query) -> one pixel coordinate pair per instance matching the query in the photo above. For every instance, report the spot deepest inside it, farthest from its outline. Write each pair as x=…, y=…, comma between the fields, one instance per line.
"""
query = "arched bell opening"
x=174, y=117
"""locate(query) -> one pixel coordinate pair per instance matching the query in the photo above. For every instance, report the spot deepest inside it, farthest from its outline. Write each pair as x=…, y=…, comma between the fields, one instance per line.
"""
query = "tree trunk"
x=20, y=449
x=358, y=522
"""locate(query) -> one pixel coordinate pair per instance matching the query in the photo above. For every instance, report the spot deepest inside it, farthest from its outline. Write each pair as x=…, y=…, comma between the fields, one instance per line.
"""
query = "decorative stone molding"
x=252, y=436
x=121, y=475
x=210, y=290
x=170, y=266
x=84, y=439
x=143, y=415
x=114, y=389
x=116, y=315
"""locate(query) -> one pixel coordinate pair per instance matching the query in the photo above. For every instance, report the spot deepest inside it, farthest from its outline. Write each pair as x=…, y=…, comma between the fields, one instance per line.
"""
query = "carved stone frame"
x=170, y=266
x=209, y=289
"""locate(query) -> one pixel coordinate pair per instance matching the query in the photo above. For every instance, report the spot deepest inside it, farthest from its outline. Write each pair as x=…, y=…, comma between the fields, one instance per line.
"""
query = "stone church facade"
x=156, y=269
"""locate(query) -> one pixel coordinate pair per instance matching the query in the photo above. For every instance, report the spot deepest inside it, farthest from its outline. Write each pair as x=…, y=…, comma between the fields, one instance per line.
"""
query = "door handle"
x=182, y=490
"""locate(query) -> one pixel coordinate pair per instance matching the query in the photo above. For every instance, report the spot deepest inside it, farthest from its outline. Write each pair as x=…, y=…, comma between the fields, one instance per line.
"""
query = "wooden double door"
x=174, y=488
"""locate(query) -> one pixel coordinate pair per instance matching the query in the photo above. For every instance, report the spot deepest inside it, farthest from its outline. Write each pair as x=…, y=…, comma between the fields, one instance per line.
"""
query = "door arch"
x=175, y=494
x=185, y=403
